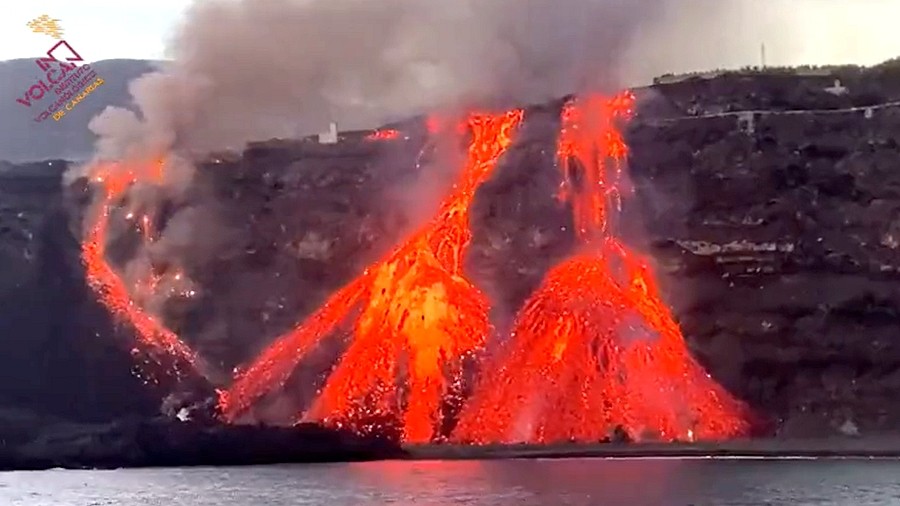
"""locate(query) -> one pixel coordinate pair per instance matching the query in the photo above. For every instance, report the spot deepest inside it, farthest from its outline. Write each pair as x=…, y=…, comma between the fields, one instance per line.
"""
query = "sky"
x=701, y=35
x=97, y=29
x=794, y=31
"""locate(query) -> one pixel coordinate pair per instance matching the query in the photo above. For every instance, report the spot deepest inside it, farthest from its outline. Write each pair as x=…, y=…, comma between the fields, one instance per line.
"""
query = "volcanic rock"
x=32, y=442
x=59, y=352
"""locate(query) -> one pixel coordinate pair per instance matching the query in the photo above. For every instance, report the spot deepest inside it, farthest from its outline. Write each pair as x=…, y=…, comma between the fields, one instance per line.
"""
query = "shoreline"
x=880, y=447
x=167, y=444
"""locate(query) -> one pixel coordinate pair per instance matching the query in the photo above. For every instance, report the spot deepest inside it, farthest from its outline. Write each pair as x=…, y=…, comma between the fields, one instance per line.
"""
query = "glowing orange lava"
x=595, y=348
x=383, y=135
x=420, y=318
x=160, y=349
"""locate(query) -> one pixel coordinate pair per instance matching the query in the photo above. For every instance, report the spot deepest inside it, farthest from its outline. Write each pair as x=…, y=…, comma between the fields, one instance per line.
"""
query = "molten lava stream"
x=595, y=347
x=420, y=317
x=161, y=348
x=383, y=135
x=419, y=309
x=276, y=363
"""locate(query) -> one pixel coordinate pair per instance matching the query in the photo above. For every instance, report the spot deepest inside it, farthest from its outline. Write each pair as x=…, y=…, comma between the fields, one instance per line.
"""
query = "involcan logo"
x=64, y=77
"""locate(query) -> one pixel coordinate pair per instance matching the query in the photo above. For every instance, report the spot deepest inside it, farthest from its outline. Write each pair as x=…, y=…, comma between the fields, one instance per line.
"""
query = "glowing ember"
x=162, y=351
x=383, y=135
x=595, y=348
x=420, y=318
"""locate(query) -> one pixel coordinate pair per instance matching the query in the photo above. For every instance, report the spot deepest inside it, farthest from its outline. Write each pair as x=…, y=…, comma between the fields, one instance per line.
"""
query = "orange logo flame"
x=45, y=24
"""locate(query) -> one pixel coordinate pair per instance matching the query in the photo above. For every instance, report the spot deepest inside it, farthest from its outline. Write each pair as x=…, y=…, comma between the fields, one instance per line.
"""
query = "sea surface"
x=576, y=482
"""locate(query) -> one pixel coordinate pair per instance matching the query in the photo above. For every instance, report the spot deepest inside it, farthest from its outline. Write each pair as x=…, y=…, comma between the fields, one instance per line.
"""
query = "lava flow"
x=595, y=349
x=383, y=135
x=420, y=318
x=161, y=351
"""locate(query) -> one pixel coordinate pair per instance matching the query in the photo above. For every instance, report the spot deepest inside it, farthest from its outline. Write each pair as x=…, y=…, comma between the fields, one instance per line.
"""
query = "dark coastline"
x=868, y=447
x=174, y=444
x=169, y=443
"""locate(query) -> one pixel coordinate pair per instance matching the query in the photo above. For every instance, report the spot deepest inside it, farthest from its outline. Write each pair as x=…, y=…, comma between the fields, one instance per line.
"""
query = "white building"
x=331, y=136
x=837, y=89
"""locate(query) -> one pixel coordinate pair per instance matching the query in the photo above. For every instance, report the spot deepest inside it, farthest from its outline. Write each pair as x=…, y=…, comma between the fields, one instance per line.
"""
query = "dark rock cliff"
x=779, y=241
x=776, y=237
x=59, y=352
x=30, y=442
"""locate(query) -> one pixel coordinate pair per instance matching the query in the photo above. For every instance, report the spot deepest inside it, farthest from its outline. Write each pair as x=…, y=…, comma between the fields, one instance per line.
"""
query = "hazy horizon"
x=795, y=32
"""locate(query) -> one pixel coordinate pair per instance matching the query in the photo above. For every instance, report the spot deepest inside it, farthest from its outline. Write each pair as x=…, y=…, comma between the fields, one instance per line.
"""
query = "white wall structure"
x=837, y=89
x=331, y=136
x=746, y=122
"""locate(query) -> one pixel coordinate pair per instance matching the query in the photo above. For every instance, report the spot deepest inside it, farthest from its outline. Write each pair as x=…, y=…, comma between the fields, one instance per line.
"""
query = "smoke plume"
x=256, y=69
x=248, y=70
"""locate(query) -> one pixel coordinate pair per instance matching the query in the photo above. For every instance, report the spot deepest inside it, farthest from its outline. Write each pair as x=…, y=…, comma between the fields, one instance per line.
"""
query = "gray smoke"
x=248, y=70
x=256, y=69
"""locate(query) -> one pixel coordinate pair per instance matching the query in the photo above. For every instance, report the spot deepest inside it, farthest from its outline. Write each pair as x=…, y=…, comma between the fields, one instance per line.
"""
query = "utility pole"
x=762, y=53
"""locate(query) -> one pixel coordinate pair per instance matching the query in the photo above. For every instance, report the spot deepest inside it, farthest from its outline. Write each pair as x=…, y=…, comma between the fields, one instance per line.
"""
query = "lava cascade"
x=420, y=318
x=158, y=350
x=595, y=348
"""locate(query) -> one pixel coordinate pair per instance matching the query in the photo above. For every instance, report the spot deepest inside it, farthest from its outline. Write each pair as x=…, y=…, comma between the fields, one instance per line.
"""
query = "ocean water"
x=575, y=482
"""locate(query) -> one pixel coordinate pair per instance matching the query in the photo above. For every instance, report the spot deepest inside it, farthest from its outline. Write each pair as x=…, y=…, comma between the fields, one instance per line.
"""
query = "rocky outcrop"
x=31, y=442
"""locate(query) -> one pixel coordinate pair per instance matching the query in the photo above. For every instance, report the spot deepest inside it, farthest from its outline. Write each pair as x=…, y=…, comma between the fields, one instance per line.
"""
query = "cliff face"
x=59, y=352
x=776, y=238
x=779, y=241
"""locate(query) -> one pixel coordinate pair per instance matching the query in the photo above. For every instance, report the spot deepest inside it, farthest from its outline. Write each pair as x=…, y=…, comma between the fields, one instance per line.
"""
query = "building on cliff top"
x=331, y=136
x=837, y=89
